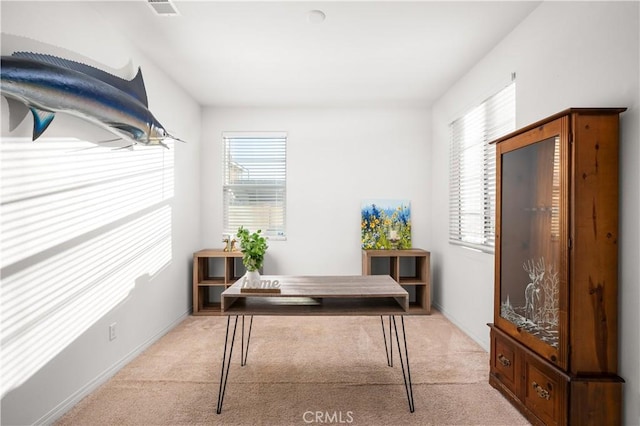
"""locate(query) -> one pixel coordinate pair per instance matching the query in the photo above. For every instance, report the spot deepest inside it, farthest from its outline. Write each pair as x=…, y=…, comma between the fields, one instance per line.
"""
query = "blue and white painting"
x=386, y=224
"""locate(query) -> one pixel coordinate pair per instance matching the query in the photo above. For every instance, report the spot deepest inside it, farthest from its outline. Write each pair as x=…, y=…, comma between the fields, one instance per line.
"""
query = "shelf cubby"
x=213, y=271
x=410, y=268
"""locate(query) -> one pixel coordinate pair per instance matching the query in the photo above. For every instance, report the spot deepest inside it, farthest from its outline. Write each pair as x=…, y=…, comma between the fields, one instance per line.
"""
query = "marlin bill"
x=46, y=85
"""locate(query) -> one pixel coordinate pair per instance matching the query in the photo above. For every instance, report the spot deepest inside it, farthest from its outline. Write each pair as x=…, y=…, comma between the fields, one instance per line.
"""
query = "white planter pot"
x=253, y=276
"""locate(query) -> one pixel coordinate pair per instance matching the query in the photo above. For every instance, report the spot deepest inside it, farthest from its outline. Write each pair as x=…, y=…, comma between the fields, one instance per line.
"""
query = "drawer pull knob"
x=542, y=392
x=504, y=360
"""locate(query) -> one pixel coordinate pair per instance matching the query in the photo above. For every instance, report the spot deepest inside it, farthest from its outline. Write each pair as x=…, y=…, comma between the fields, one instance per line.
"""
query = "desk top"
x=320, y=295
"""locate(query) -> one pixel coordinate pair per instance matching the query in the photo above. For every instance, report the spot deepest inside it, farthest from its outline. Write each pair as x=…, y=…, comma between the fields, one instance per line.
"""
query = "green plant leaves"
x=253, y=246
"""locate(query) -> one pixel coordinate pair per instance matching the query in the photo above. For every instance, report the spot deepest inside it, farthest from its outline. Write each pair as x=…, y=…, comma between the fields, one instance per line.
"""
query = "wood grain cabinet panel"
x=505, y=362
x=556, y=266
x=544, y=391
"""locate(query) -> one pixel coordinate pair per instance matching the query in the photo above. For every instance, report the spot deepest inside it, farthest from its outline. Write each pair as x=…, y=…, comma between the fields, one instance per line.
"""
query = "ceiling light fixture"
x=316, y=16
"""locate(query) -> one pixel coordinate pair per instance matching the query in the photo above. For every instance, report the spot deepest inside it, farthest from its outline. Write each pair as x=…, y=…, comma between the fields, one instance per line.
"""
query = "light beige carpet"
x=300, y=371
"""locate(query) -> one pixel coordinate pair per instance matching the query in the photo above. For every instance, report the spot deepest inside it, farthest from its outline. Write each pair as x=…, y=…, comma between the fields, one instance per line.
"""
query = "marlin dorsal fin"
x=134, y=87
x=137, y=86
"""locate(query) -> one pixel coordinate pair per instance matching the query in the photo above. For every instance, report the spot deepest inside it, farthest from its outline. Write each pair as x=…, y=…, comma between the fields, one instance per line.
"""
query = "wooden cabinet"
x=213, y=271
x=410, y=268
x=554, y=340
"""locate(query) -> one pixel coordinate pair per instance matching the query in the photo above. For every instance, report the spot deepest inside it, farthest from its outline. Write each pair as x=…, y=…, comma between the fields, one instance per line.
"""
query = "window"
x=254, y=182
x=472, y=169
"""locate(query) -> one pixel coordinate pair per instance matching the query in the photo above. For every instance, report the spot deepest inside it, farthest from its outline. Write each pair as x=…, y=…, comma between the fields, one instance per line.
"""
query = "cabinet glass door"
x=530, y=239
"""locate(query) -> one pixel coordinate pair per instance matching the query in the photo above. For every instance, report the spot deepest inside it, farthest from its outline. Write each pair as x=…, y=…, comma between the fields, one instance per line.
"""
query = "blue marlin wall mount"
x=45, y=85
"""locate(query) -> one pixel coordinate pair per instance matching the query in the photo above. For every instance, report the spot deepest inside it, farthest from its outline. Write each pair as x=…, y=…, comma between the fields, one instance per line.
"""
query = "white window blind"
x=254, y=183
x=472, y=169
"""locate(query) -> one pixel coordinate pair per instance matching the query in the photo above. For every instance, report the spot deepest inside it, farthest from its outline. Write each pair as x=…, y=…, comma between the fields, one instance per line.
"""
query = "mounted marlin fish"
x=47, y=84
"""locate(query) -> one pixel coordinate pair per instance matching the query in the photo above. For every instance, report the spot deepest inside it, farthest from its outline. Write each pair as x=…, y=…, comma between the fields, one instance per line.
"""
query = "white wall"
x=335, y=159
x=565, y=54
x=146, y=292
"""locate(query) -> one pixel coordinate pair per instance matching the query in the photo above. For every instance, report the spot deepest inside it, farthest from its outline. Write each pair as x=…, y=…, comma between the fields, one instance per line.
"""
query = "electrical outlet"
x=112, y=331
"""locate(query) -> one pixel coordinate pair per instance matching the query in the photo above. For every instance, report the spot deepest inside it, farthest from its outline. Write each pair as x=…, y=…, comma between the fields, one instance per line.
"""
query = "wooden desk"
x=320, y=295
x=373, y=295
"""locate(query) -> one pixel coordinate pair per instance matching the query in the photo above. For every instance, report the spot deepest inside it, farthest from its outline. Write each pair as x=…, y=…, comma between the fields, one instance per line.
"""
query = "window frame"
x=474, y=227
x=274, y=185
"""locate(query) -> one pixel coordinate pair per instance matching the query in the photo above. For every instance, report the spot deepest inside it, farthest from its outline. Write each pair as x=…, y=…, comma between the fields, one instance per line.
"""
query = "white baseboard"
x=102, y=378
x=483, y=342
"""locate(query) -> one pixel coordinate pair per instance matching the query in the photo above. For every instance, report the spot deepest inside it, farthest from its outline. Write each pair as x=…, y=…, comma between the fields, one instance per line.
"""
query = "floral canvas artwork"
x=386, y=224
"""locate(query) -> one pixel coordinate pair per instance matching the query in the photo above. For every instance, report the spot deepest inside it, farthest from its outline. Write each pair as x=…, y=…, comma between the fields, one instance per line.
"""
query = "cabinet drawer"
x=505, y=362
x=545, y=392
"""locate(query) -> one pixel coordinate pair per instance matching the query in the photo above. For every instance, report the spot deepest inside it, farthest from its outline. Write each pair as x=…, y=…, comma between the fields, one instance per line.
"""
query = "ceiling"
x=365, y=53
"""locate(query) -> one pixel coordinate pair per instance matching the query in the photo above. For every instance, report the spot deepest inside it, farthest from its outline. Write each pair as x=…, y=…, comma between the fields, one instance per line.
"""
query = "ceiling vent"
x=163, y=7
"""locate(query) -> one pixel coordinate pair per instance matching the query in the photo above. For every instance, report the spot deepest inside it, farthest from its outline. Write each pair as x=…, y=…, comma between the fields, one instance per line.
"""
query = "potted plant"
x=253, y=247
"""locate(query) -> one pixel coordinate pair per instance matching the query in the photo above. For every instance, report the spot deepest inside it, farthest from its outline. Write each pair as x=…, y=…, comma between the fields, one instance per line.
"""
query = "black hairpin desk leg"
x=406, y=374
x=388, y=349
x=245, y=351
x=226, y=362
